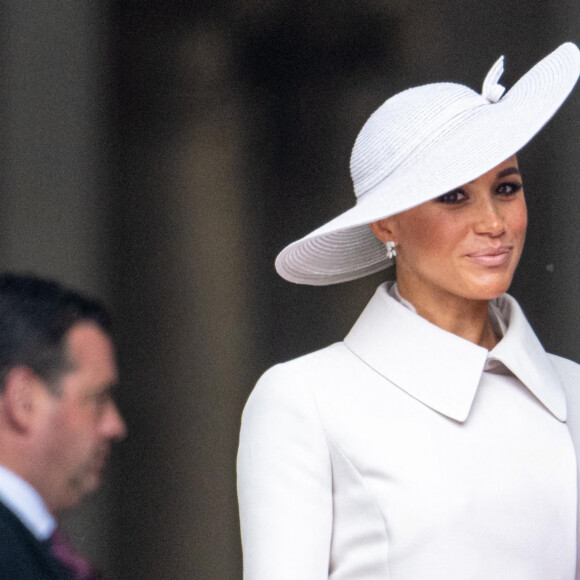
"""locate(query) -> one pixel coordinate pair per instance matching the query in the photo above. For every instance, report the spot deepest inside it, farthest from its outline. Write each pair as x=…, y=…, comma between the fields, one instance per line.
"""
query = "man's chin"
x=93, y=481
x=81, y=487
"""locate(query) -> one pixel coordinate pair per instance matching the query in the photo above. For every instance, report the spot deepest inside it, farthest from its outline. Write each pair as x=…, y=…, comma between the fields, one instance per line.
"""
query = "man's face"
x=80, y=422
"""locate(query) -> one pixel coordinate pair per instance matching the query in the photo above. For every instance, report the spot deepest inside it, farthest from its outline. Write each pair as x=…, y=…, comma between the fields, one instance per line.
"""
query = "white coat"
x=408, y=453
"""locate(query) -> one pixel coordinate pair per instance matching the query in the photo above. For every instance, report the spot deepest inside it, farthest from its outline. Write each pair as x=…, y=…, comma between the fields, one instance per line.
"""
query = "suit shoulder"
x=12, y=531
x=21, y=555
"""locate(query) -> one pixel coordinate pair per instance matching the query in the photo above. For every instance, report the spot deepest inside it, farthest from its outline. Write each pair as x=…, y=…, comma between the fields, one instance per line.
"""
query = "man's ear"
x=384, y=230
x=21, y=397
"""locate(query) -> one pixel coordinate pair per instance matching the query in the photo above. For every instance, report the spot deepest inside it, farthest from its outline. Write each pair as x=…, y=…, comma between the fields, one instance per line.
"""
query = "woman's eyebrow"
x=503, y=173
x=508, y=171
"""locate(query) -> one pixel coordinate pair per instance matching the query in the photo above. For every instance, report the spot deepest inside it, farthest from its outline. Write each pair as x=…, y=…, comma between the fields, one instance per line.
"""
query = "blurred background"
x=160, y=154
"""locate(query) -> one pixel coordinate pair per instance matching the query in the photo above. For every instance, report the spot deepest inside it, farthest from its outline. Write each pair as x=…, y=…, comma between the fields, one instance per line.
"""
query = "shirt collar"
x=442, y=370
x=22, y=499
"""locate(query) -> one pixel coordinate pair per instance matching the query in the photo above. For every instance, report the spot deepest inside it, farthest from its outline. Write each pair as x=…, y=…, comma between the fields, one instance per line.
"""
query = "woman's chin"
x=489, y=291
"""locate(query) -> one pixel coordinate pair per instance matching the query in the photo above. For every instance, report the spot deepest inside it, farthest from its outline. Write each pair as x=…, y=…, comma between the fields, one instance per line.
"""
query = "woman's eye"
x=509, y=188
x=455, y=196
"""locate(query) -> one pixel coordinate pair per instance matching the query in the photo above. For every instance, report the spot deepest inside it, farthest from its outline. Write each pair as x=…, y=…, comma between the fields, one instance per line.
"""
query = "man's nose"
x=113, y=425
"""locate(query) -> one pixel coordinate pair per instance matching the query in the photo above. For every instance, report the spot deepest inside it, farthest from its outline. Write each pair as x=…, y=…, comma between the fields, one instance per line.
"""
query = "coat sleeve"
x=570, y=374
x=284, y=482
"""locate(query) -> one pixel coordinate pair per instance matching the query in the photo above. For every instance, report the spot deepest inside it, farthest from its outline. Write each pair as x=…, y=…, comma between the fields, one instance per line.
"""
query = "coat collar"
x=443, y=371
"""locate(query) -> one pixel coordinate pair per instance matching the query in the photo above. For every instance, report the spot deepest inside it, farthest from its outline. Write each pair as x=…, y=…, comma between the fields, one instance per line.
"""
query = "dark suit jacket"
x=22, y=556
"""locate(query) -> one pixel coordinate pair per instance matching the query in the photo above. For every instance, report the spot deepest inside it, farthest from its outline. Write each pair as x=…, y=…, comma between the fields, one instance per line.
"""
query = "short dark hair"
x=35, y=316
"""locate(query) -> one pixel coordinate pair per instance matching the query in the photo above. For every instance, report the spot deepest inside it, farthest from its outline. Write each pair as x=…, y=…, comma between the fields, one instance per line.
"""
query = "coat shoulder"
x=567, y=369
x=313, y=363
x=294, y=382
x=569, y=372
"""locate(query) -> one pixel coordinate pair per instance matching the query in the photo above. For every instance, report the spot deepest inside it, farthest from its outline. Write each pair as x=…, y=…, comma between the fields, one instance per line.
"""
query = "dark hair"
x=35, y=316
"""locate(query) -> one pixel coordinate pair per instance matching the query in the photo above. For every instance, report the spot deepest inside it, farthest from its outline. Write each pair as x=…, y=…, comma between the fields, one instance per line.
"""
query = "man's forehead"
x=85, y=334
x=90, y=349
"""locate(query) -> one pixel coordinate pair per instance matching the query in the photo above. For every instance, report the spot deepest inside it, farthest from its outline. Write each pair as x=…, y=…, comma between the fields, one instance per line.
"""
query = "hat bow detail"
x=492, y=90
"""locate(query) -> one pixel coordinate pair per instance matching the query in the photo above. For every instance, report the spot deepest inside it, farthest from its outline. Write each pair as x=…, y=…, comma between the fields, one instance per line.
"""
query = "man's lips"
x=101, y=458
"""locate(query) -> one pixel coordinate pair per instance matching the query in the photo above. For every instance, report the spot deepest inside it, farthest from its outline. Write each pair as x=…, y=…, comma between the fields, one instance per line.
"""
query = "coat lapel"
x=32, y=553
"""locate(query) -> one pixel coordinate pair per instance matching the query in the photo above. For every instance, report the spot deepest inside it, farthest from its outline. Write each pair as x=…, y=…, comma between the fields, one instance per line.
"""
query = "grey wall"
x=54, y=125
x=161, y=154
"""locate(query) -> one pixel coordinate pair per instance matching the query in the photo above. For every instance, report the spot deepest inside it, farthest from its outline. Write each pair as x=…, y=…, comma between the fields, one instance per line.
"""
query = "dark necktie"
x=75, y=563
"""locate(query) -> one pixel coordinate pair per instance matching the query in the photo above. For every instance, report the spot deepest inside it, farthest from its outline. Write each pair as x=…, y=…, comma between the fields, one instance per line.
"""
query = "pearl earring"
x=391, y=250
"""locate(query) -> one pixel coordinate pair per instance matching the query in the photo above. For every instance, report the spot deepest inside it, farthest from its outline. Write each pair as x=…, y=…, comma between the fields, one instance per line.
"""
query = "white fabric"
x=498, y=325
x=22, y=499
x=407, y=453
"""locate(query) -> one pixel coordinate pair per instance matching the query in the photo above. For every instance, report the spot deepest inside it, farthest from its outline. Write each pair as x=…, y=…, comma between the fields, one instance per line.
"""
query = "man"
x=57, y=420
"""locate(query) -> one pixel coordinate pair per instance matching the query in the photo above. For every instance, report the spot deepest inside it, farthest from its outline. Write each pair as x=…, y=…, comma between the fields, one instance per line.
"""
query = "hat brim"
x=345, y=248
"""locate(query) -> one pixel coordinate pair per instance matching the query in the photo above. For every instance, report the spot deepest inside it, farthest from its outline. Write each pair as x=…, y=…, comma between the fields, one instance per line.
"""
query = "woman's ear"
x=22, y=389
x=384, y=230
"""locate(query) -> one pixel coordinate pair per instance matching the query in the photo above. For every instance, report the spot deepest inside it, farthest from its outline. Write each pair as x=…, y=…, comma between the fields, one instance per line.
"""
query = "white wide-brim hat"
x=422, y=143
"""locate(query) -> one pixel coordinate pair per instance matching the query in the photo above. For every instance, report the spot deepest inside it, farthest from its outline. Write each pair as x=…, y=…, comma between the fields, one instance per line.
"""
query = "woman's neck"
x=468, y=319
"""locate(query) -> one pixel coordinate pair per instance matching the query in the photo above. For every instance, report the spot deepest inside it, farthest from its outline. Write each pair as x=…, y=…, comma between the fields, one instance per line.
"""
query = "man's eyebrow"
x=107, y=387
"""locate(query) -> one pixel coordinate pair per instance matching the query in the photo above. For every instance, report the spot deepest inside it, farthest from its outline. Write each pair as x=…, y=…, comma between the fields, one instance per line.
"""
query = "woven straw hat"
x=420, y=144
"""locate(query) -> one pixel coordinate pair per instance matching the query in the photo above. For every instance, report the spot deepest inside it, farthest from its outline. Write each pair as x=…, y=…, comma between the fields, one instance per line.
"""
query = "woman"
x=438, y=440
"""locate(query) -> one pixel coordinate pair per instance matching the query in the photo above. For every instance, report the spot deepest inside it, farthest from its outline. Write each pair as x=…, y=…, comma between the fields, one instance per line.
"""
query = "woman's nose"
x=489, y=219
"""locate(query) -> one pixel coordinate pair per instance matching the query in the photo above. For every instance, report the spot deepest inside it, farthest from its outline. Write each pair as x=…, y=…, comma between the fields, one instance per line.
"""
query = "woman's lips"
x=491, y=256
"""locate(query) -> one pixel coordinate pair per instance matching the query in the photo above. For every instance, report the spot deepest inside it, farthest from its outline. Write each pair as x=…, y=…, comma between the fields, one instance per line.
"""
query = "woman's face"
x=466, y=243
